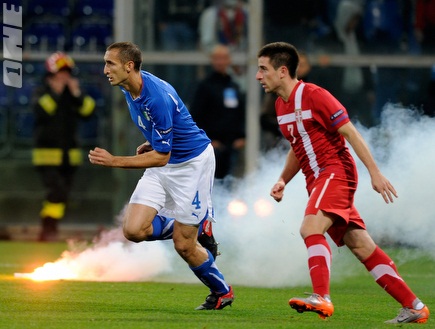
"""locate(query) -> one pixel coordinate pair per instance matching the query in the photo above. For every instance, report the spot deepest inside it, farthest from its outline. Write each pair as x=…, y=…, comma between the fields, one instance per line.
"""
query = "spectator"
x=225, y=23
x=383, y=32
x=177, y=27
x=218, y=107
x=429, y=102
x=303, y=23
x=177, y=23
x=356, y=84
x=58, y=106
x=425, y=25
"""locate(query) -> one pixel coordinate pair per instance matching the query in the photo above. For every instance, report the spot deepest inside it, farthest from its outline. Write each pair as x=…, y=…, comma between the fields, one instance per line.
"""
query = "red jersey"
x=309, y=121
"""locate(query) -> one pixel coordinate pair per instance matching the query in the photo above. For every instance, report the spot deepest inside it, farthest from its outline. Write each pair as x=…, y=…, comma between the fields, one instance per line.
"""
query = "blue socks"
x=162, y=228
x=207, y=272
x=210, y=275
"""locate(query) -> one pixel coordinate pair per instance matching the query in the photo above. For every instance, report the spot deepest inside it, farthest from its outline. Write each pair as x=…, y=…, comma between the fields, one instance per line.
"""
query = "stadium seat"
x=91, y=36
x=23, y=96
x=88, y=130
x=93, y=90
x=4, y=116
x=24, y=120
x=4, y=96
x=21, y=114
x=47, y=34
x=44, y=7
x=3, y=126
x=93, y=8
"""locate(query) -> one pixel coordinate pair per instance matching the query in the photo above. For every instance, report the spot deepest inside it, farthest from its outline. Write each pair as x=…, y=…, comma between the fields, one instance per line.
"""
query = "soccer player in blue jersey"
x=173, y=197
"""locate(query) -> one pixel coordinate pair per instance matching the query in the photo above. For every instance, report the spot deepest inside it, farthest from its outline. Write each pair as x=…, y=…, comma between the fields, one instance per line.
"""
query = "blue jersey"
x=165, y=121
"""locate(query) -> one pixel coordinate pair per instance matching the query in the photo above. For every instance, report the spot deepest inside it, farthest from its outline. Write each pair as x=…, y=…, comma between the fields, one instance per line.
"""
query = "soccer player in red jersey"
x=317, y=126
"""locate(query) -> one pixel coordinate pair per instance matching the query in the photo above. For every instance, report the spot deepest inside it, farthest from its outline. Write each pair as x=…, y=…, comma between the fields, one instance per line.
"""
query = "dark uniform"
x=218, y=107
x=56, y=154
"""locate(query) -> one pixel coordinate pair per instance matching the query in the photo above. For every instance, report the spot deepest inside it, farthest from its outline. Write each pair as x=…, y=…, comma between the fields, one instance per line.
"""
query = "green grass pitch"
x=358, y=301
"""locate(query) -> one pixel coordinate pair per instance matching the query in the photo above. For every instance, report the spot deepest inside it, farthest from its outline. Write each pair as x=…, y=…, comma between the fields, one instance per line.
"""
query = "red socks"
x=379, y=264
x=319, y=263
x=383, y=270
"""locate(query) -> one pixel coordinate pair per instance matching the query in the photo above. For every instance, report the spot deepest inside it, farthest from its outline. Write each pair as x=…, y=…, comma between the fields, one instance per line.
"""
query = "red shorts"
x=335, y=195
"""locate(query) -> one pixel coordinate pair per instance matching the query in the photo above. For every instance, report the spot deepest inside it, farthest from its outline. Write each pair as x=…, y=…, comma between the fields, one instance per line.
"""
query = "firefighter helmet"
x=59, y=61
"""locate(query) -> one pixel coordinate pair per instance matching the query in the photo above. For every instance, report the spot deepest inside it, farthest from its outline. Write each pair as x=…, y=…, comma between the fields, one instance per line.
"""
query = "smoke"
x=115, y=259
x=267, y=250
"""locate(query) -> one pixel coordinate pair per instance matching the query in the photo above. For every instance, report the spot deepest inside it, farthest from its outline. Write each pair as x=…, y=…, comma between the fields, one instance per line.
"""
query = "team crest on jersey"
x=147, y=117
x=145, y=111
x=298, y=115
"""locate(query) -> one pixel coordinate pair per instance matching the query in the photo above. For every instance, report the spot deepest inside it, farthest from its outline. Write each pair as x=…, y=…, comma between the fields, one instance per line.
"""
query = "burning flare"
x=106, y=261
x=60, y=270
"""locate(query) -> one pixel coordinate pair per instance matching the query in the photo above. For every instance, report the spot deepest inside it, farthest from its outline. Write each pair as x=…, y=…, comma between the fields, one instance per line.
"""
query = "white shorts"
x=182, y=191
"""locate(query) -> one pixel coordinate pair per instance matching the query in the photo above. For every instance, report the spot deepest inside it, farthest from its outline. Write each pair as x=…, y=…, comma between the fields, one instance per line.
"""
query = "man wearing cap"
x=58, y=107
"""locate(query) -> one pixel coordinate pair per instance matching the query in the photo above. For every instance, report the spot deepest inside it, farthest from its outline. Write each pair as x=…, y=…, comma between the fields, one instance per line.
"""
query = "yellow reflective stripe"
x=53, y=157
x=53, y=210
x=87, y=107
x=48, y=104
x=75, y=157
x=47, y=157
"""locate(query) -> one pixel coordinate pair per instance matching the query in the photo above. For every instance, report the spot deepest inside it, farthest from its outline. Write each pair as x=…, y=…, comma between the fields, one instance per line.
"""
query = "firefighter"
x=58, y=107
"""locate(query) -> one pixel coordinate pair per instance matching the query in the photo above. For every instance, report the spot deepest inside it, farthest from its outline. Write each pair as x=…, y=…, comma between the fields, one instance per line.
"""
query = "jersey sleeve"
x=161, y=109
x=331, y=114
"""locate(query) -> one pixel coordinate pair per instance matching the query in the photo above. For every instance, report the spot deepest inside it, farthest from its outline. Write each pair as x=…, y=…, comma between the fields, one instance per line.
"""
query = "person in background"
x=225, y=22
x=318, y=127
x=357, y=87
x=429, y=101
x=218, y=107
x=383, y=28
x=177, y=23
x=58, y=107
x=424, y=25
x=173, y=199
x=177, y=30
x=424, y=29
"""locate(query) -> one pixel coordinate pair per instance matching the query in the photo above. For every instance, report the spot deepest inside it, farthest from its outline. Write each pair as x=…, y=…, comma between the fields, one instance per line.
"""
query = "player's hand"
x=277, y=191
x=383, y=186
x=101, y=157
x=143, y=148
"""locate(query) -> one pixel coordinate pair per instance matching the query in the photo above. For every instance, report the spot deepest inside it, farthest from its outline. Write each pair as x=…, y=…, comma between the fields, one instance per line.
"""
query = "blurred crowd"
x=219, y=28
x=392, y=26
x=319, y=28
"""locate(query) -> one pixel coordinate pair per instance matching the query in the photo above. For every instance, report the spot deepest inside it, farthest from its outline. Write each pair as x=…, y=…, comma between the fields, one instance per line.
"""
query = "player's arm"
x=291, y=168
x=379, y=183
x=145, y=160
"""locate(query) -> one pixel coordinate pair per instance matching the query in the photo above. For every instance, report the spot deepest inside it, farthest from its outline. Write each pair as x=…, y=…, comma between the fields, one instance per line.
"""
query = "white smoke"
x=268, y=251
